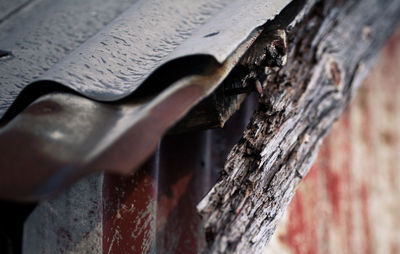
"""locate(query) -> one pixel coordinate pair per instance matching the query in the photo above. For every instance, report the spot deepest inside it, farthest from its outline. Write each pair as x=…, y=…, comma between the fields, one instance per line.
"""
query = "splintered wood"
x=330, y=50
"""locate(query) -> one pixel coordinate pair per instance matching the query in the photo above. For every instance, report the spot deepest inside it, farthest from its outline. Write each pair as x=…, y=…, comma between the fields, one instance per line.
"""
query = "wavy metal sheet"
x=190, y=47
x=63, y=136
x=39, y=33
x=121, y=56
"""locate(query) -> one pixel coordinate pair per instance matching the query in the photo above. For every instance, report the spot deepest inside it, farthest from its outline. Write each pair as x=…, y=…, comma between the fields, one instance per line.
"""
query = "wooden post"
x=330, y=50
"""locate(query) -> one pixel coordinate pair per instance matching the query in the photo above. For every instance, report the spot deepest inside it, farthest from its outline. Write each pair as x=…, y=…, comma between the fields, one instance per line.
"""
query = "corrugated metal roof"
x=40, y=33
x=121, y=56
x=104, y=53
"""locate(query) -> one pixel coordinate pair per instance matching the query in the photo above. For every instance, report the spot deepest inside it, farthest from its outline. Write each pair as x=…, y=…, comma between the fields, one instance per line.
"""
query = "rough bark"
x=330, y=50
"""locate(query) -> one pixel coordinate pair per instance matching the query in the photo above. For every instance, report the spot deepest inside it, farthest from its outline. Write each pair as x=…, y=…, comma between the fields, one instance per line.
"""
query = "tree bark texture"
x=330, y=48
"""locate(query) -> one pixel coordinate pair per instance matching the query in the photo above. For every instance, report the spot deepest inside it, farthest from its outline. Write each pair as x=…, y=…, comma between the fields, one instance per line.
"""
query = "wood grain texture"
x=330, y=50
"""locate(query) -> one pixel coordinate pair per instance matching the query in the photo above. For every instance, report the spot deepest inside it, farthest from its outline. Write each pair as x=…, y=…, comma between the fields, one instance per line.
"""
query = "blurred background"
x=350, y=200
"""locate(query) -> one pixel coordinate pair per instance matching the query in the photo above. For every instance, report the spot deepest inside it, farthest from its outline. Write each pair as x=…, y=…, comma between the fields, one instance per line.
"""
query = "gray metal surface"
x=63, y=136
x=42, y=32
x=112, y=64
x=72, y=223
x=190, y=48
x=8, y=8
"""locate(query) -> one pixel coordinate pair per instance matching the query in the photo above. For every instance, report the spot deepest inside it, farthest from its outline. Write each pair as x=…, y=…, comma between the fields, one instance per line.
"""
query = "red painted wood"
x=350, y=200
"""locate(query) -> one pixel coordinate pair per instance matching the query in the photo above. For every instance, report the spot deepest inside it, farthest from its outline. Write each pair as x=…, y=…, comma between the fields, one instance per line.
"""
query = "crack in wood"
x=327, y=58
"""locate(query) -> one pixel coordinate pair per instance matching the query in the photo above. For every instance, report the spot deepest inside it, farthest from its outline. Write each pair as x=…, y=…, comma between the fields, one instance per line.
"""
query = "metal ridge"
x=62, y=136
x=37, y=34
x=120, y=57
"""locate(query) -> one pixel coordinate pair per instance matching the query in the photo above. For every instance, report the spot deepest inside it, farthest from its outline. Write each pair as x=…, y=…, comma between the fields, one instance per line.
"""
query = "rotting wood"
x=218, y=108
x=330, y=50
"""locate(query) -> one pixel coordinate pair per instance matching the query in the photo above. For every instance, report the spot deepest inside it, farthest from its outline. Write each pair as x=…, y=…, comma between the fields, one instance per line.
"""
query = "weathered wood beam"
x=330, y=50
x=218, y=108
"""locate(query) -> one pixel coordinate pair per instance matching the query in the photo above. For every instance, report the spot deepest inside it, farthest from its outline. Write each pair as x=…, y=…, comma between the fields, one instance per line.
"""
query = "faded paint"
x=350, y=200
x=129, y=221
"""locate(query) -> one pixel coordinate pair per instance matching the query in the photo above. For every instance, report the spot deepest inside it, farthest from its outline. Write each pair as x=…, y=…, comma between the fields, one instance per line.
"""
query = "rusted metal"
x=130, y=210
x=151, y=211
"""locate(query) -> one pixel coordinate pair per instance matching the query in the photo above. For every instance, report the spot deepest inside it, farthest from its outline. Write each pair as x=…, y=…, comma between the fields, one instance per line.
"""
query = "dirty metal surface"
x=113, y=63
x=64, y=136
x=121, y=56
x=8, y=8
x=350, y=200
x=39, y=33
x=68, y=224
x=171, y=223
x=151, y=211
